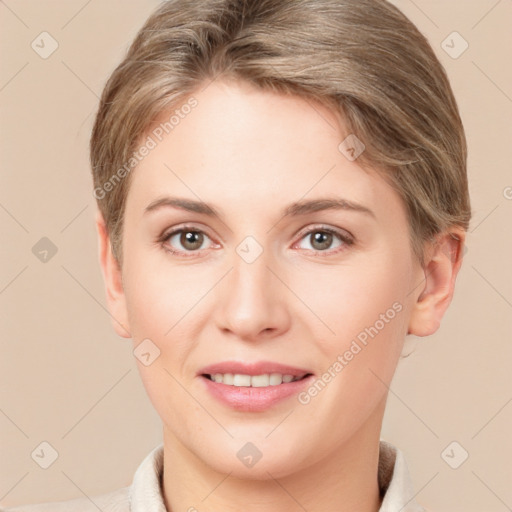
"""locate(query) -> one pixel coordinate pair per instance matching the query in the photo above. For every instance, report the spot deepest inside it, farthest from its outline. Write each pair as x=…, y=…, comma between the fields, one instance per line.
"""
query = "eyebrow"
x=301, y=207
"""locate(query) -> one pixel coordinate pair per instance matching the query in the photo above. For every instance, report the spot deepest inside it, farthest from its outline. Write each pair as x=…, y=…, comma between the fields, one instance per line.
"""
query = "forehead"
x=242, y=146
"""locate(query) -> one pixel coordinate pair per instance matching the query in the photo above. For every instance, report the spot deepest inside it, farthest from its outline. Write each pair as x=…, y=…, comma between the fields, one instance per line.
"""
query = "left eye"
x=321, y=239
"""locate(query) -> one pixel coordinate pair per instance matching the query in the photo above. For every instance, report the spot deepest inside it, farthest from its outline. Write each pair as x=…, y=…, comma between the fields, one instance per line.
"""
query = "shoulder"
x=115, y=501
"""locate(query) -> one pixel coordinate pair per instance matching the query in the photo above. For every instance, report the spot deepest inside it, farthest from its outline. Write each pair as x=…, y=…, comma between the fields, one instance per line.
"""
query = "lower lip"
x=249, y=399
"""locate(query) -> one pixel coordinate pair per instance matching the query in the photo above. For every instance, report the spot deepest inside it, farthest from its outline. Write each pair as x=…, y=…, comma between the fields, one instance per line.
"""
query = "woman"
x=282, y=199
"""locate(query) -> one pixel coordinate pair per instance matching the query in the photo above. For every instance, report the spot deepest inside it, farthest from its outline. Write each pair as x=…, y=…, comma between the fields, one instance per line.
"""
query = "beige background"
x=67, y=379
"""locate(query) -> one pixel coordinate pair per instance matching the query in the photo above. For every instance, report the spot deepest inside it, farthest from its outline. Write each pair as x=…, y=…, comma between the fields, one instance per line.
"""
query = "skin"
x=249, y=153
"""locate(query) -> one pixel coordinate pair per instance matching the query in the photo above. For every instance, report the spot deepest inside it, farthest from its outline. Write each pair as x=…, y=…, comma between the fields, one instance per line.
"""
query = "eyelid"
x=342, y=233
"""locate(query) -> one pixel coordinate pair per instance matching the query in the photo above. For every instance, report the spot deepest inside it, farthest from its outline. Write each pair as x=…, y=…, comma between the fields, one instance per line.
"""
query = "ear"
x=112, y=277
x=443, y=261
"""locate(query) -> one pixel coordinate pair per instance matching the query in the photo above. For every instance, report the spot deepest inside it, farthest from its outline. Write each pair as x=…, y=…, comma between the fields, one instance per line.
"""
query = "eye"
x=190, y=239
x=321, y=239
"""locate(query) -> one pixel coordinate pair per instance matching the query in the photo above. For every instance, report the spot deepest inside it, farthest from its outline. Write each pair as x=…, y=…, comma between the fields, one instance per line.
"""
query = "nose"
x=251, y=300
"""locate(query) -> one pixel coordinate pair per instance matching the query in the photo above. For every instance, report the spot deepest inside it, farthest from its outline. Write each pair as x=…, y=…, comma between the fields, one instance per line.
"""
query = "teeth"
x=255, y=381
x=241, y=380
x=228, y=378
x=275, y=379
x=260, y=381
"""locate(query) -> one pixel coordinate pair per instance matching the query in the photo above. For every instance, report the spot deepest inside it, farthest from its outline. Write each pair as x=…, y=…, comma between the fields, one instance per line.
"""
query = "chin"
x=253, y=457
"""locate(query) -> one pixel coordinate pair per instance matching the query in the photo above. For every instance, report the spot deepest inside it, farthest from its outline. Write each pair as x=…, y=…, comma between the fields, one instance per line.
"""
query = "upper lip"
x=256, y=368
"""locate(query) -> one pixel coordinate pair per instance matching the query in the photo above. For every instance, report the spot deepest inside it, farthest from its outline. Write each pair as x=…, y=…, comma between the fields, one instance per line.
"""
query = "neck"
x=344, y=480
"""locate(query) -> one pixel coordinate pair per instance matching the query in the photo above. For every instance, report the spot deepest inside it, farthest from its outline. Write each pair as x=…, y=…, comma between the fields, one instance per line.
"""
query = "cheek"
x=161, y=308
x=354, y=299
x=160, y=297
x=366, y=311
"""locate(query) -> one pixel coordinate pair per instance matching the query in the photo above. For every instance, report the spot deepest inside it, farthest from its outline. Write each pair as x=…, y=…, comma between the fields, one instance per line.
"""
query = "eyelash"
x=346, y=239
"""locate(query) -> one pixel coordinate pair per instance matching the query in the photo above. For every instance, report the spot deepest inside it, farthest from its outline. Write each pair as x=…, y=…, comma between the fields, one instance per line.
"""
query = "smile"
x=257, y=386
x=255, y=381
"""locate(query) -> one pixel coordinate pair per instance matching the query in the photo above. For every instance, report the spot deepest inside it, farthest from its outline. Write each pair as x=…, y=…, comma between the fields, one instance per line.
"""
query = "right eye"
x=190, y=239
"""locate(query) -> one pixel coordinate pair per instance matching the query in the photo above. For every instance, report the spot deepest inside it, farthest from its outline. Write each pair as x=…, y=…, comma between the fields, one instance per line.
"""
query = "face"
x=266, y=280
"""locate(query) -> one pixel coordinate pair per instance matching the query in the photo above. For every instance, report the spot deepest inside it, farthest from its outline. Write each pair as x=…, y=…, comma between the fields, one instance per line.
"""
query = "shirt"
x=145, y=492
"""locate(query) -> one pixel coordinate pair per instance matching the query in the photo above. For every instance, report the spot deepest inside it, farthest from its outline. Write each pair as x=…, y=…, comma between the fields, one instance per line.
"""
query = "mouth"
x=253, y=387
x=254, y=381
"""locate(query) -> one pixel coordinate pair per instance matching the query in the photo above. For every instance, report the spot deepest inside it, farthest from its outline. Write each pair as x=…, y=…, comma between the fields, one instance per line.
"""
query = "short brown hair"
x=362, y=58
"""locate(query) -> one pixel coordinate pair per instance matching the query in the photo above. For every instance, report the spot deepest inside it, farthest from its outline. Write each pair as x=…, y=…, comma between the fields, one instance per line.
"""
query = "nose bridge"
x=251, y=277
x=251, y=274
x=251, y=302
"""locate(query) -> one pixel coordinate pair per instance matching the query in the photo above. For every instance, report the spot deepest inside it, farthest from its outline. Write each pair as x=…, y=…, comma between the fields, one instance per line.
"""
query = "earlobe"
x=440, y=271
x=116, y=300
